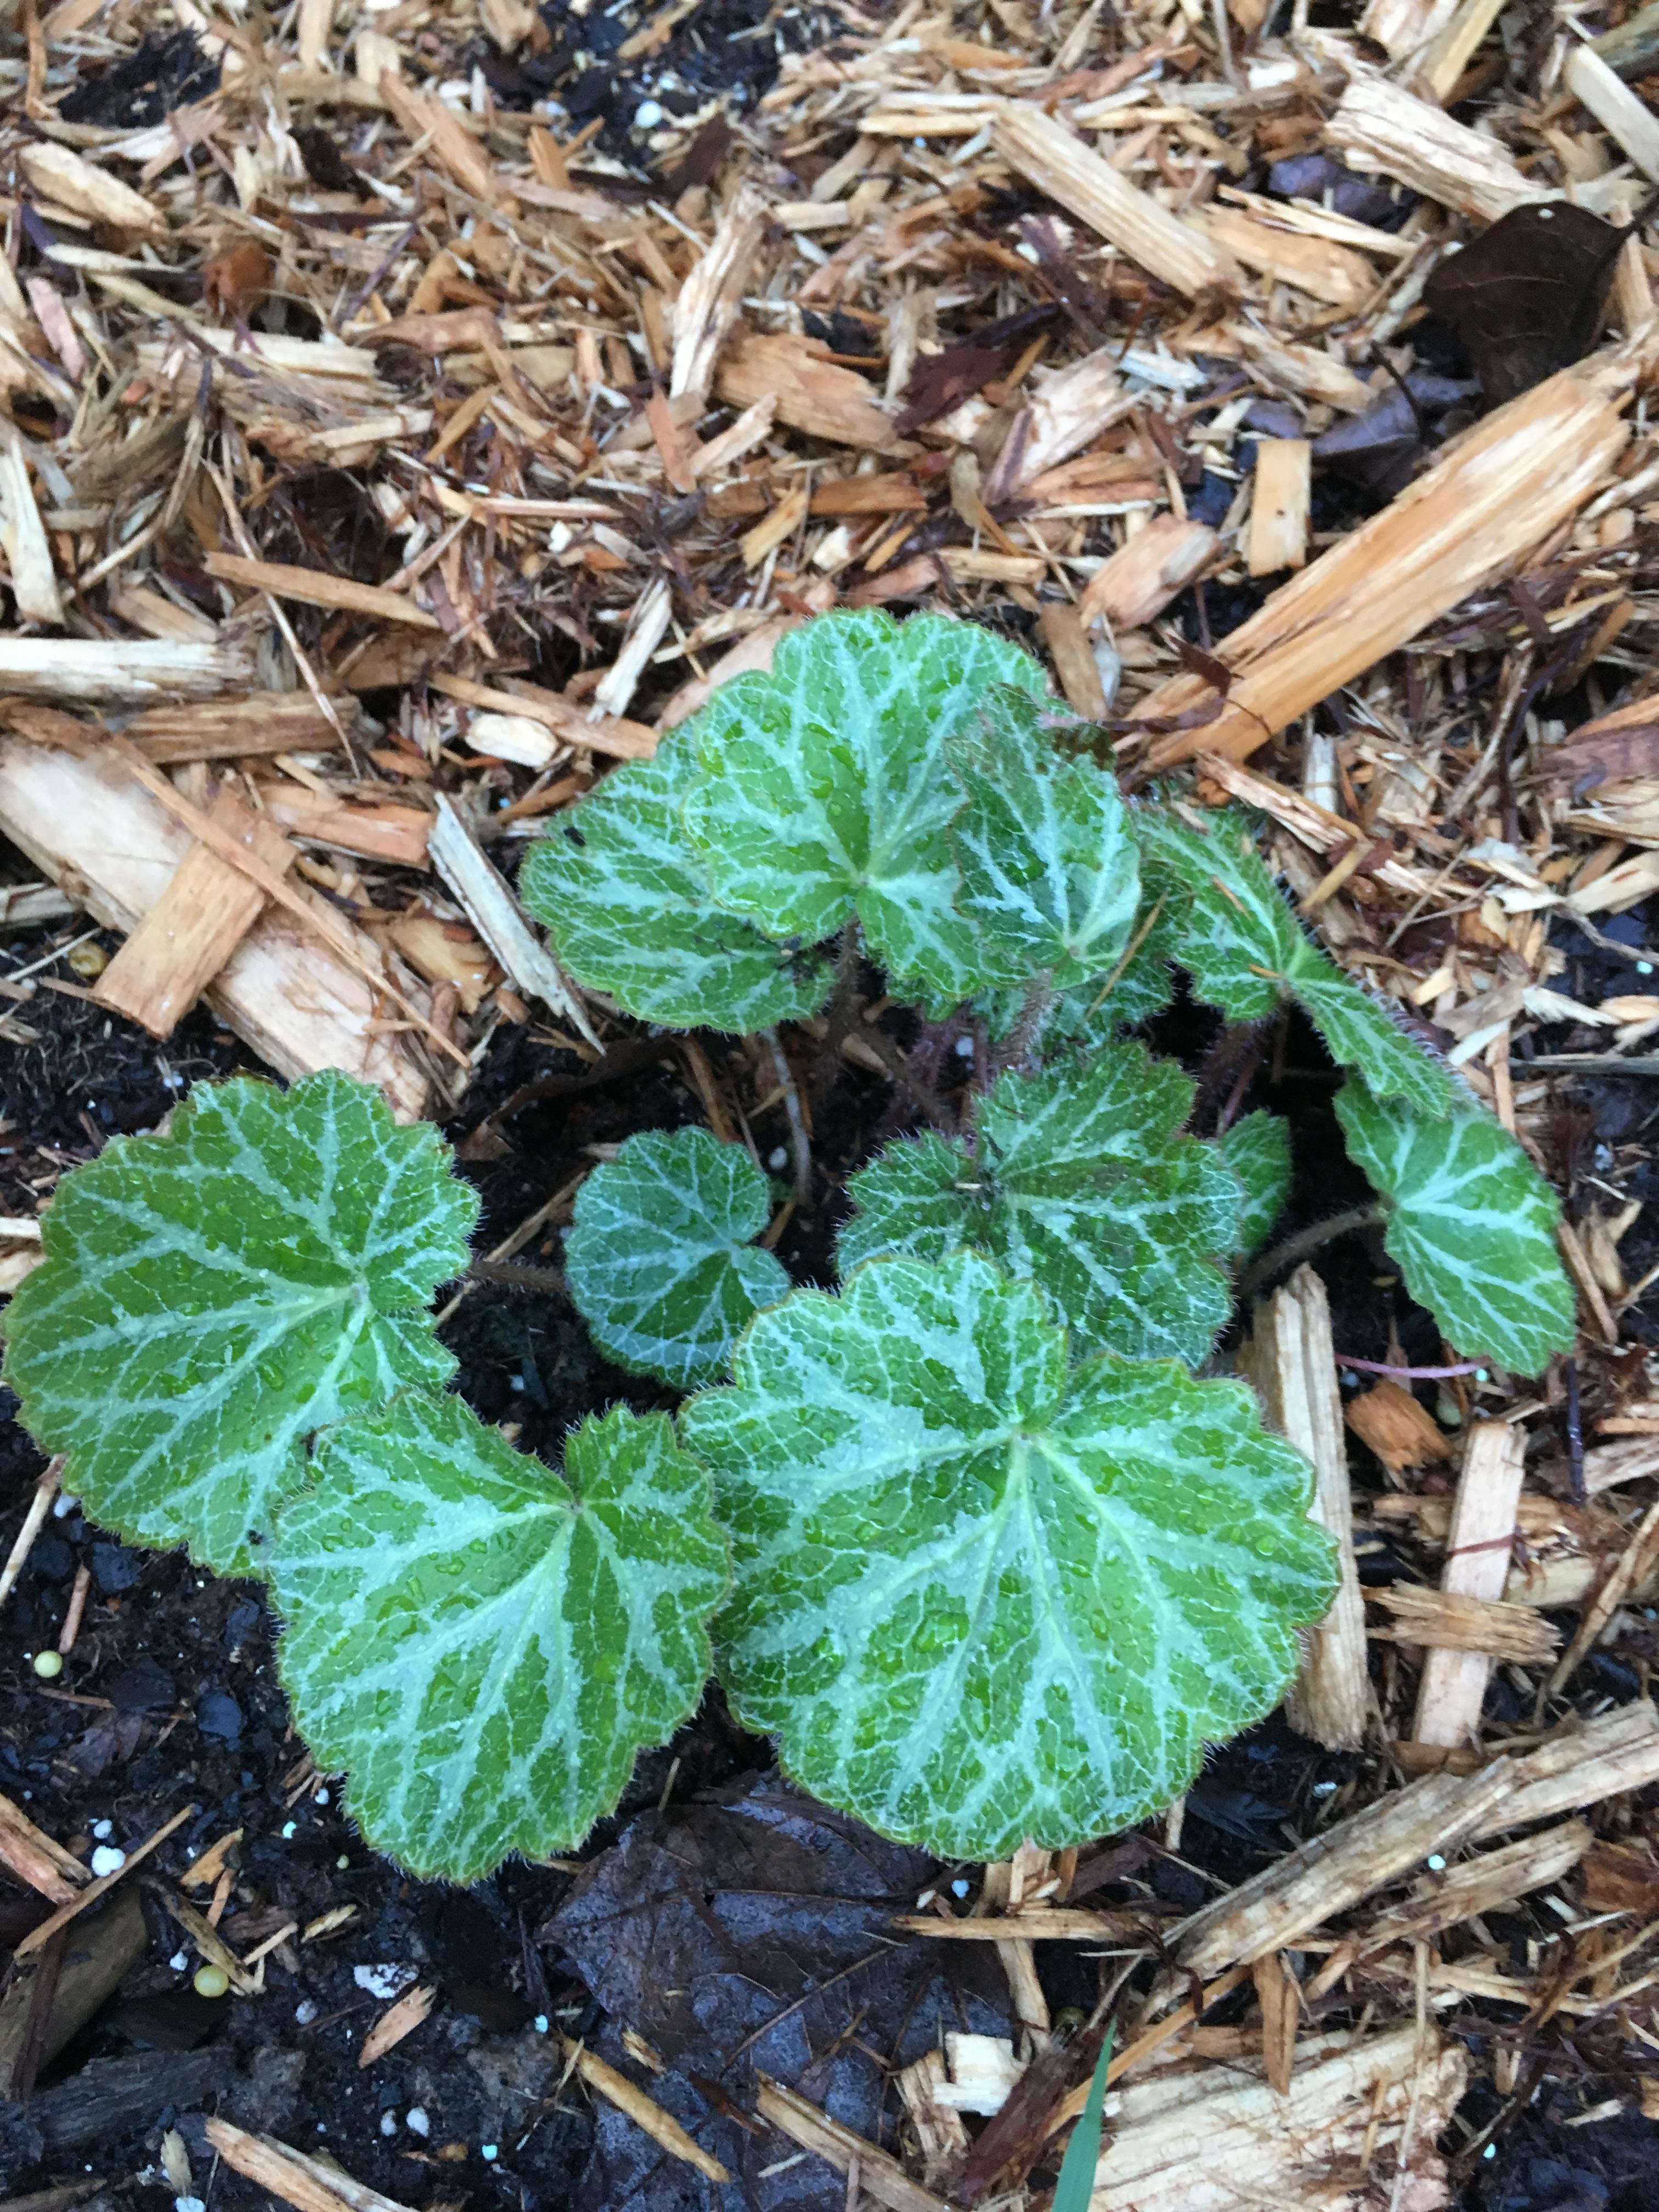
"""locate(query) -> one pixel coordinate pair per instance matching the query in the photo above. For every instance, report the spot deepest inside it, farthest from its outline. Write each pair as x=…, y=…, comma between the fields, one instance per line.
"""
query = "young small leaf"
x=210, y=1297
x=1258, y=1151
x=631, y=911
x=825, y=792
x=1081, y=1184
x=660, y=1260
x=483, y=1647
x=977, y=1597
x=1239, y=938
x=1050, y=875
x=1471, y=1224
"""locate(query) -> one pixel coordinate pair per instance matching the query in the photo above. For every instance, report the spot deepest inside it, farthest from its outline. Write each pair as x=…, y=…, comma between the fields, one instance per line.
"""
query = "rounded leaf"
x=484, y=1648
x=1471, y=1224
x=661, y=1260
x=210, y=1297
x=1258, y=1151
x=825, y=792
x=1244, y=945
x=980, y=1598
x=629, y=906
x=1082, y=1183
x=1050, y=875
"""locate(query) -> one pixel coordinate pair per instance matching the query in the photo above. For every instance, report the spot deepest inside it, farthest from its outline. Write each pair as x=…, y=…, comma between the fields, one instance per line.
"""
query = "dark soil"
x=712, y=1875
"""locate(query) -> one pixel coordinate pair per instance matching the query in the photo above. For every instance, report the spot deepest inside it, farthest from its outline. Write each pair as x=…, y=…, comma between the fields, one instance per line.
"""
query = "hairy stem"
x=898, y=1066
x=1039, y=997
x=841, y=1013
x=1306, y=1242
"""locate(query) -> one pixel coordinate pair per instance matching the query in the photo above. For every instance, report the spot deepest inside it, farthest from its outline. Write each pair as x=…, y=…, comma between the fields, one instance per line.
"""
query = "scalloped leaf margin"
x=210, y=1297
x=980, y=1598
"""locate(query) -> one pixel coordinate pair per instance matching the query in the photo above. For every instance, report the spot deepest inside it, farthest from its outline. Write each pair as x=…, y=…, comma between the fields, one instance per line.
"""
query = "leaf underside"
x=1081, y=1184
x=979, y=1598
x=825, y=790
x=210, y=1297
x=1245, y=949
x=1050, y=875
x=1258, y=1151
x=483, y=1647
x=630, y=910
x=660, y=1260
x=1471, y=1224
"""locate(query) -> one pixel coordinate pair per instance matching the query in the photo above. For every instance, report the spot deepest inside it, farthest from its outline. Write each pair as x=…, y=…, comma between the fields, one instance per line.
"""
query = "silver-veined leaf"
x=661, y=1260
x=1471, y=1224
x=1050, y=874
x=629, y=906
x=1081, y=1182
x=1245, y=948
x=1258, y=1151
x=980, y=1598
x=825, y=792
x=210, y=1297
x=483, y=1647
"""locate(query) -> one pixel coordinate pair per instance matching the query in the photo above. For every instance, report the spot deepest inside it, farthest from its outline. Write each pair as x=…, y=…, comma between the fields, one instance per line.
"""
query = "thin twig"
x=1575, y=1434
x=516, y=1276
x=798, y=1136
x=1306, y=1242
x=1409, y=1374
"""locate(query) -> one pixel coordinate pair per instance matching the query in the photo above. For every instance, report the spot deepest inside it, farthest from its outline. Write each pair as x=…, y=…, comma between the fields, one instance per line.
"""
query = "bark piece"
x=1134, y=585
x=1446, y=1896
x=1280, y=505
x=707, y=305
x=1291, y=1362
x=1380, y=125
x=236, y=729
x=1448, y=1620
x=1331, y=1873
x=22, y=536
x=803, y=2123
x=570, y=724
x=1051, y=156
x=811, y=393
x=1454, y=1684
x=495, y=915
x=97, y=1959
x=315, y=587
x=132, y=671
x=1480, y=509
x=192, y=929
x=298, y=1003
x=1206, y=2141
x=1401, y=1431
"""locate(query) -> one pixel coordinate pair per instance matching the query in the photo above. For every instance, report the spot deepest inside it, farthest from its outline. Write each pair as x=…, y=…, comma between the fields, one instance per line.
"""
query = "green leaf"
x=629, y=908
x=1258, y=1151
x=483, y=1647
x=660, y=1260
x=923, y=1197
x=1081, y=1184
x=977, y=1597
x=210, y=1297
x=825, y=790
x=1471, y=1224
x=1244, y=946
x=1076, y=2185
x=1050, y=875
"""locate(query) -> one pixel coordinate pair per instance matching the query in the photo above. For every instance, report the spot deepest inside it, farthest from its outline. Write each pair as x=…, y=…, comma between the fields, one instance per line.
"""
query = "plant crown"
x=970, y=1536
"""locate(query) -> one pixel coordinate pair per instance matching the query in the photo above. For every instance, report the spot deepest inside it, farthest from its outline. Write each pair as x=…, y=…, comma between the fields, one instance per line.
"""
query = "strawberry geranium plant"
x=973, y=1535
